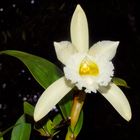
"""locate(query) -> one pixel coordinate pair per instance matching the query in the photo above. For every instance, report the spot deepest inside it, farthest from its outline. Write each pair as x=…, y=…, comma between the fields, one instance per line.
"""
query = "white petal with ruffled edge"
x=79, y=30
x=118, y=100
x=89, y=82
x=106, y=49
x=64, y=50
x=50, y=97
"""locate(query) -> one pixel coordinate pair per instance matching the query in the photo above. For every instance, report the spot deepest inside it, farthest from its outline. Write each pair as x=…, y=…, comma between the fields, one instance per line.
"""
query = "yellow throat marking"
x=88, y=67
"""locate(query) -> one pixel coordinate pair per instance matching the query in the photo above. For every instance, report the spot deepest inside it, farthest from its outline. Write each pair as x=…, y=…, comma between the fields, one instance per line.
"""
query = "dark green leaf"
x=22, y=130
x=65, y=105
x=28, y=109
x=120, y=82
x=42, y=70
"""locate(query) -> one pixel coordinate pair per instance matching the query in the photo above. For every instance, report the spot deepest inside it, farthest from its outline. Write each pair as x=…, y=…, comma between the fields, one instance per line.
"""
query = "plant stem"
x=70, y=135
x=78, y=102
x=76, y=108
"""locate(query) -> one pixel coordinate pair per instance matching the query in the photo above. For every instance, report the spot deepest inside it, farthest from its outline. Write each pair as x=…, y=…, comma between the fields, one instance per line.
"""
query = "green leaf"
x=120, y=82
x=42, y=131
x=79, y=124
x=22, y=130
x=45, y=74
x=42, y=70
x=57, y=119
x=50, y=127
x=65, y=105
x=28, y=109
x=1, y=138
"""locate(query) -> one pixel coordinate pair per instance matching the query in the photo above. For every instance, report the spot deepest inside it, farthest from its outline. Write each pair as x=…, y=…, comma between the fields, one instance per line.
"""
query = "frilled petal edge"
x=118, y=100
x=50, y=97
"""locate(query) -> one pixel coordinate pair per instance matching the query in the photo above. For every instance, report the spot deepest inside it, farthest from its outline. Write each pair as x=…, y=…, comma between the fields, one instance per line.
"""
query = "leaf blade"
x=22, y=130
x=120, y=82
x=28, y=109
x=44, y=72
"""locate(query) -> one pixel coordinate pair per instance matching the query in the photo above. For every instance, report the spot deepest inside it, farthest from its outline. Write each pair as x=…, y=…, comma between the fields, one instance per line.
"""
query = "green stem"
x=78, y=102
x=76, y=108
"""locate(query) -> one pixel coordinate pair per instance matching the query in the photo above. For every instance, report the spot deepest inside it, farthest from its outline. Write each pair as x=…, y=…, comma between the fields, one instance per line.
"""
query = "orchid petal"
x=118, y=100
x=79, y=30
x=50, y=97
x=105, y=49
x=64, y=50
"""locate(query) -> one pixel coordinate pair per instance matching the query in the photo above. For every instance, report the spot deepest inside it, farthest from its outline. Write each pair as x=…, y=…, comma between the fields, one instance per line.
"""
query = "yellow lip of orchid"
x=87, y=67
x=77, y=51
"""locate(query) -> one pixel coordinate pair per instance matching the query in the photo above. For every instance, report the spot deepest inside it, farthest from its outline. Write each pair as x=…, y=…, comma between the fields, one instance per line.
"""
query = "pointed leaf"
x=42, y=70
x=57, y=119
x=50, y=127
x=22, y=130
x=119, y=82
x=28, y=109
x=79, y=124
x=65, y=105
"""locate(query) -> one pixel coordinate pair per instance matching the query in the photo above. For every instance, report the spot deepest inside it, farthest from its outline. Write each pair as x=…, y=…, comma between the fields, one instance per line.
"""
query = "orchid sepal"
x=50, y=97
x=118, y=100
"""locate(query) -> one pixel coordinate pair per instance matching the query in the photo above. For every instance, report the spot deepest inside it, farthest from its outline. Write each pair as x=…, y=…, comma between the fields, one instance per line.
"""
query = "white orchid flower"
x=86, y=68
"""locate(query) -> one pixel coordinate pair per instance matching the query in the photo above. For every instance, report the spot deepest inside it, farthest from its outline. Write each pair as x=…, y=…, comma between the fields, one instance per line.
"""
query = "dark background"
x=33, y=25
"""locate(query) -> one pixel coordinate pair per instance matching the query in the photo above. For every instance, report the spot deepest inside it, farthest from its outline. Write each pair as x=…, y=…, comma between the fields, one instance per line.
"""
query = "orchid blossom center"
x=88, y=67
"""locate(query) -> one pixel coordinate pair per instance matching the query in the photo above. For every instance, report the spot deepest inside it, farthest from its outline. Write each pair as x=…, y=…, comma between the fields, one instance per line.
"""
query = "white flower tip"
x=79, y=30
x=128, y=115
x=37, y=116
x=56, y=44
x=79, y=12
x=78, y=7
x=110, y=43
x=116, y=43
x=38, y=113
